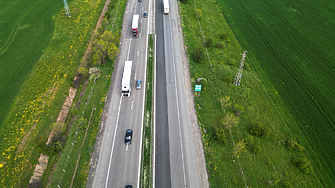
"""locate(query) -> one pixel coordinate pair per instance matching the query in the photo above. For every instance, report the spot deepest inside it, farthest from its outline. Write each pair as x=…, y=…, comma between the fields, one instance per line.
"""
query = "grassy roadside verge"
x=39, y=102
x=147, y=157
x=262, y=161
x=93, y=95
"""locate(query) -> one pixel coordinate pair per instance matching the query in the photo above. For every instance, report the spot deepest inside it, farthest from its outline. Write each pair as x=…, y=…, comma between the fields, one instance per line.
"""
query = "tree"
x=238, y=109
x=229, y=121
x=104, y=46
x=58, y=128
x=239, y=148
x=198, y=54
x=184, y=1
x=198, y=13
x=225, y=102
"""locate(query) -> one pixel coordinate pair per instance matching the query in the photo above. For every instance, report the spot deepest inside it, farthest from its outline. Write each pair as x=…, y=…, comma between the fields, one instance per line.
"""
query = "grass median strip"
x=147, y=158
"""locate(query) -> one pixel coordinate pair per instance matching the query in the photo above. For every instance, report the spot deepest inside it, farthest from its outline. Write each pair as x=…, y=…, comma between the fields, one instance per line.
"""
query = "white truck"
x=166, y=6
x=126, y=79
x=134, y=25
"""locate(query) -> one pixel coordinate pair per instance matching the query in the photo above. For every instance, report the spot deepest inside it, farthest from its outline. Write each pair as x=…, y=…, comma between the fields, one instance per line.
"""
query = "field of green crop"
x=293, y=42
x=270, y=76
x=26, y=29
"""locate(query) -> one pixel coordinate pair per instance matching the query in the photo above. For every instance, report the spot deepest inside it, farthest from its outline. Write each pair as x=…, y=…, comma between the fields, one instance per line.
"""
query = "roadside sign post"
x=197, y=88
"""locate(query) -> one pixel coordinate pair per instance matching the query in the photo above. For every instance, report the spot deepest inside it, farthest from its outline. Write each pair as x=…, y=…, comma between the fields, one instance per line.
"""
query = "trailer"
x=126, y=79
x=134, y=25
x=166, y=6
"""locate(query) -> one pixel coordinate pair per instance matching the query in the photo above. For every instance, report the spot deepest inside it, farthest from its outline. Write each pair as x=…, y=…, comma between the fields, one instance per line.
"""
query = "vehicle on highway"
x=128, y=137
x=126, y=79
x=129, y=186
x=134, y=26
x=145, y=15
x=166, y=6
x=138, y=84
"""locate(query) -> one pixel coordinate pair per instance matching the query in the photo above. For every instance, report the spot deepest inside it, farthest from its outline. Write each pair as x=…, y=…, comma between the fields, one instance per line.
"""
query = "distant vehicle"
x=126, y=79
x=139, y=0
x=134, y=26
x=145, y=15
x=166, y=6
x=129, y=186
x=138, y=84
x=128, y=137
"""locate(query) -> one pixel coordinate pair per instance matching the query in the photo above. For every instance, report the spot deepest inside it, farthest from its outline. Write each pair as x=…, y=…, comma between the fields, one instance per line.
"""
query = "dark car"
x=128, y=137
x=138, y=84
x=145, y=15
x=139, y=0
x=129, y=186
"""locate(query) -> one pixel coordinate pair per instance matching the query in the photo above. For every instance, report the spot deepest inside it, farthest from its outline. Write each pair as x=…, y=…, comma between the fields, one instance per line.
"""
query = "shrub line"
x=88, y=126
x=202, y=34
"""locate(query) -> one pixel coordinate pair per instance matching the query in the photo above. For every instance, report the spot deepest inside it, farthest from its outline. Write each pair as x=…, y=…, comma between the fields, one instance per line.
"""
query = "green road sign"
x=197, y=87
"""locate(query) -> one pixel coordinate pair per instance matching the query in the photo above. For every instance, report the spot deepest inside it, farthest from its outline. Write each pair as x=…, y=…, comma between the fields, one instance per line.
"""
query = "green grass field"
x=26, y=30
x=261, y=95
x=41, y=97
x=293, y=44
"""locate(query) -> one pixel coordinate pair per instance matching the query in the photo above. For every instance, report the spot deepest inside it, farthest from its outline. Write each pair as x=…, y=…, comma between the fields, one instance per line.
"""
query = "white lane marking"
x=127, y=147
x=135, y=76
x=178, y=112
x=138, y=52
x=129, y=49
x=132, y=102
x=154, y=120
x=111, y=155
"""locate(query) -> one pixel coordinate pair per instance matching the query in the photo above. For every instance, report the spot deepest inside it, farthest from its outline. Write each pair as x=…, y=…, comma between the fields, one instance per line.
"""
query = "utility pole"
x=66, y=8
x=238, y=77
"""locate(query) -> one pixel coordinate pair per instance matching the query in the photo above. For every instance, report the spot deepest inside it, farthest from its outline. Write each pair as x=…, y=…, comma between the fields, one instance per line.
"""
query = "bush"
x=83, y=71
x=231, y=62
x=220, y=135
x=259, y=130
x=184, y=1
x=208, y=42
x=293, y=145
x=223, y=36
x=220, y=45
x=249, y=140
x=198, y=54
x=203, y=83
x=266, y=132
x=287, y=184
x=238, y=109
x=257, y=149
x=302, y=163
x=227, y=79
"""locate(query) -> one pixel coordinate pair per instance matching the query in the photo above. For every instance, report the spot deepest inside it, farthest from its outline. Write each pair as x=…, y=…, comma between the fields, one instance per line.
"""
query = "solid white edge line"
x=154, y=120
x=175, y=85
x=111, y=155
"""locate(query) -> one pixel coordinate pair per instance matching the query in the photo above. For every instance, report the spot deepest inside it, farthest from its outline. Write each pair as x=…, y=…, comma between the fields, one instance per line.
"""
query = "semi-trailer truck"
x=166, y=6
x=134, y=26
x=126, y=79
